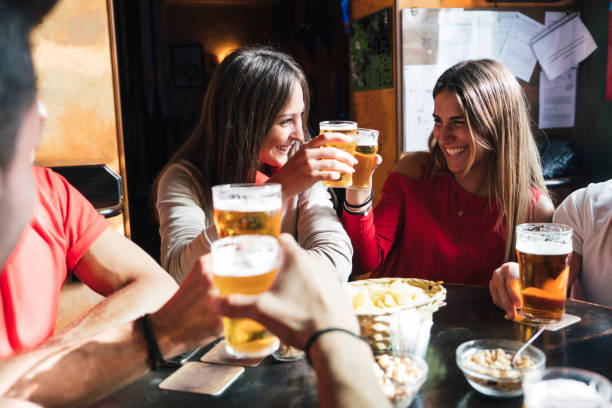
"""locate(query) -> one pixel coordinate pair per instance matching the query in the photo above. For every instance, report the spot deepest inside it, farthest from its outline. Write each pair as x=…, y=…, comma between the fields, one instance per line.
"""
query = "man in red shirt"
x=49, y=229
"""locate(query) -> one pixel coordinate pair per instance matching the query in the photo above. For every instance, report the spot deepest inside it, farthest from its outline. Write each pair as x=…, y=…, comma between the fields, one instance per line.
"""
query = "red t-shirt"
x=415, y=231
x=63, y=227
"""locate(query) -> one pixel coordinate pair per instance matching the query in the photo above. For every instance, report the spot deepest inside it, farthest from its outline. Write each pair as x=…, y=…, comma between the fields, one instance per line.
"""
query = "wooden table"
x=469, y=314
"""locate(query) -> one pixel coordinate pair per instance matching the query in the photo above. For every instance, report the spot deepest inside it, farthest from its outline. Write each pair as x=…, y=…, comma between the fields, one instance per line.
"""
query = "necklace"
x=461, y=213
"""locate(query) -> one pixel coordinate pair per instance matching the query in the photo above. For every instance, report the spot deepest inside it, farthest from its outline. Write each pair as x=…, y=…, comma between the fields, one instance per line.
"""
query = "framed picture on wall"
x=187, y=65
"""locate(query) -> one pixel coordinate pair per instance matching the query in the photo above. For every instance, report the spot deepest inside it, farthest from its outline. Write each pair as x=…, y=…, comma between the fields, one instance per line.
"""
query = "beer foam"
x=255, y=260
x=337, y=126
x=561, y=393
x=249, y=205
x=544, y=247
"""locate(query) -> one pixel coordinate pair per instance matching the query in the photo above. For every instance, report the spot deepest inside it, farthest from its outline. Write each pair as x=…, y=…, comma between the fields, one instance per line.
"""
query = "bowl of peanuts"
x=400, y=376
x=487, y=365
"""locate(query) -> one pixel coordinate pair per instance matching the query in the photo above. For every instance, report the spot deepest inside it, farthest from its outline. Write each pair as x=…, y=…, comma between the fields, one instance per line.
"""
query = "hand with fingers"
x=505, y=288
x=314, y=162
x=305, y=298
x=356, y=196
x=186, y=322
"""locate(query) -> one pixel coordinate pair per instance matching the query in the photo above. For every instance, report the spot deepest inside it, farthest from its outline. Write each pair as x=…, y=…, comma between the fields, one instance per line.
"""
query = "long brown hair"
x=498, y=120
x=246, y=93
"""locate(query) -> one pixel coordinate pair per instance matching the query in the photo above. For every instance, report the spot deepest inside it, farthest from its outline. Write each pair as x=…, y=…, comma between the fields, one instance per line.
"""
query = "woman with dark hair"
x=449, y=214
x=252, y=128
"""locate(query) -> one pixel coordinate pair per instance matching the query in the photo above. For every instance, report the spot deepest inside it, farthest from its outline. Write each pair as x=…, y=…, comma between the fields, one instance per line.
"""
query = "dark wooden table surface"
x=469, y=314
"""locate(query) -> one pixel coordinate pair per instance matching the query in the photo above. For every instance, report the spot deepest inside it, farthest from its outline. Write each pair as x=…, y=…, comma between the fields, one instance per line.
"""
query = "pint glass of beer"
x=365, y=153
x=247, y=209
x=543, y=252
x=346, y=128
x=245, y=264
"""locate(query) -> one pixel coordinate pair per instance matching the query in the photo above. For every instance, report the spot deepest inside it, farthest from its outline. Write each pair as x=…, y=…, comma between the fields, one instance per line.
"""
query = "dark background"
x=161, y=97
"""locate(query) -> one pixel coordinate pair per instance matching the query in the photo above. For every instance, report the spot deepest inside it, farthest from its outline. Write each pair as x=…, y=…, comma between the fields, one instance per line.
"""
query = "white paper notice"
x=419, y=81
x=561, y=45
x=557, y=96
x=557, y=100
x=517, y=54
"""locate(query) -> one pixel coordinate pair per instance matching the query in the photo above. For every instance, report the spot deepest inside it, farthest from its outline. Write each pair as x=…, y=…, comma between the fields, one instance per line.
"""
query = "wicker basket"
x=405, y=327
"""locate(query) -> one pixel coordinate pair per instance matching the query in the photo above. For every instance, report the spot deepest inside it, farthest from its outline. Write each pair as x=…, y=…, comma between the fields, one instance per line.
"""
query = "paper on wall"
x=517, y=54
x=557, y=98
x=419, y=81
x=564, y=43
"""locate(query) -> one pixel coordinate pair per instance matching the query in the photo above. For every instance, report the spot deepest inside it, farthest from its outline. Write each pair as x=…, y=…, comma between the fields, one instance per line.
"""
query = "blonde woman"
x=449, y=214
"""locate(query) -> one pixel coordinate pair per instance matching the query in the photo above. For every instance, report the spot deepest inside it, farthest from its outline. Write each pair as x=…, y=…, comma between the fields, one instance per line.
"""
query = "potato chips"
x=379, y=296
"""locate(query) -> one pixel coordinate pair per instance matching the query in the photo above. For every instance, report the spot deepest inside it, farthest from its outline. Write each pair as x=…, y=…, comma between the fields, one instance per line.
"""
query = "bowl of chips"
x=396, y=314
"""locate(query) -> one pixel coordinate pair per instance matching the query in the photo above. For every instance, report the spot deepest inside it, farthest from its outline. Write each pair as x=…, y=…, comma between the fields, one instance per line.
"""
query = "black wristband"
x=319, y=333
x=156, y=360
x=355, y=207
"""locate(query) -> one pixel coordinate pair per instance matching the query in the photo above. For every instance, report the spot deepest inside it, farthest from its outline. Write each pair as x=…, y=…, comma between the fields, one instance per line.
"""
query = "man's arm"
x=133, y=283
x=78, y=371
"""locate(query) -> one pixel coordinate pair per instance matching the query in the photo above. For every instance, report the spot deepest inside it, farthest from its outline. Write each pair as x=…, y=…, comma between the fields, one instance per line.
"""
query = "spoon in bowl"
x=524, y=346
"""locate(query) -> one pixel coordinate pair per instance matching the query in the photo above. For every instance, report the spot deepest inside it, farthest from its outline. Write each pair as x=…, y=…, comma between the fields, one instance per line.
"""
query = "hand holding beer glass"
x=246, y=264
x=242, y=209
x=365, y=153
x=345, y=128
x=544, y=252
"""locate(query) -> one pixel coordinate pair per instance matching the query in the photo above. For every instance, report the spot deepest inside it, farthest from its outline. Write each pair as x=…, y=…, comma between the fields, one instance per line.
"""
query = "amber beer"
x=365, y=153
x=245, y=264
x=346, y=128
x=247, y=209
x=544, y=252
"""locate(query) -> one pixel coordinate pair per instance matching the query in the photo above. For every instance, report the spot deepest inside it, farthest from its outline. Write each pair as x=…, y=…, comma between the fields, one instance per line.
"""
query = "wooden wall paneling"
x=73, y=52
x=377, y=109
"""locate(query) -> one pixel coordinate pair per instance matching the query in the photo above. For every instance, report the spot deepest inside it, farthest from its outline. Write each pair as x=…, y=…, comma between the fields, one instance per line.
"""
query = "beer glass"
x=246, y=209
x=245, y=264
x=544, y=252
x=566, y=387
x=365, y=153
x=346, y=128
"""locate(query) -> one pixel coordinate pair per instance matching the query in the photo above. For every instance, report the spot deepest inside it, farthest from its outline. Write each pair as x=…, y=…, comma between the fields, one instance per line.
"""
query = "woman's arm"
x=185, y=232
x=320, y=232
x=374, y=233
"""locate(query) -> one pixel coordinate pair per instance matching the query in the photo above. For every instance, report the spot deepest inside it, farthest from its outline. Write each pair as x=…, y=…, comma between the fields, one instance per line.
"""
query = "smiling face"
x=285, y=131
x=452, y=134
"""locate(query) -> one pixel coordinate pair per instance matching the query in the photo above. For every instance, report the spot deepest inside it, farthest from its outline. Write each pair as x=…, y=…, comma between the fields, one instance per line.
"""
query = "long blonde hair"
x=498, y=120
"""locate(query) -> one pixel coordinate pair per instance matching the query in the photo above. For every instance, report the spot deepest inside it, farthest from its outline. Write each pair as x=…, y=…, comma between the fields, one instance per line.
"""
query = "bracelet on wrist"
x=366, y=202
x=361, y=211
x=319, y=333
x=156, y=359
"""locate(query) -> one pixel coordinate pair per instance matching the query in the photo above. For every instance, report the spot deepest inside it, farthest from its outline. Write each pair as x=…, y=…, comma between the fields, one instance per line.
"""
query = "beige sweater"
x=186, y=233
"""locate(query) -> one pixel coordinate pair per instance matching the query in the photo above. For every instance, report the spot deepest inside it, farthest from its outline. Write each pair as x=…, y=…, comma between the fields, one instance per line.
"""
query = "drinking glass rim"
x=247, y=186
x=270, y=241
x=558, y=229
x=565, y=370
x=341, y=124
x=367, y=130
x=371, y=135
x=260, y=237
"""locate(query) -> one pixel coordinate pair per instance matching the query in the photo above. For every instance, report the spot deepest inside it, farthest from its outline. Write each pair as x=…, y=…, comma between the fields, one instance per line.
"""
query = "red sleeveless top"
x=416, y=231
